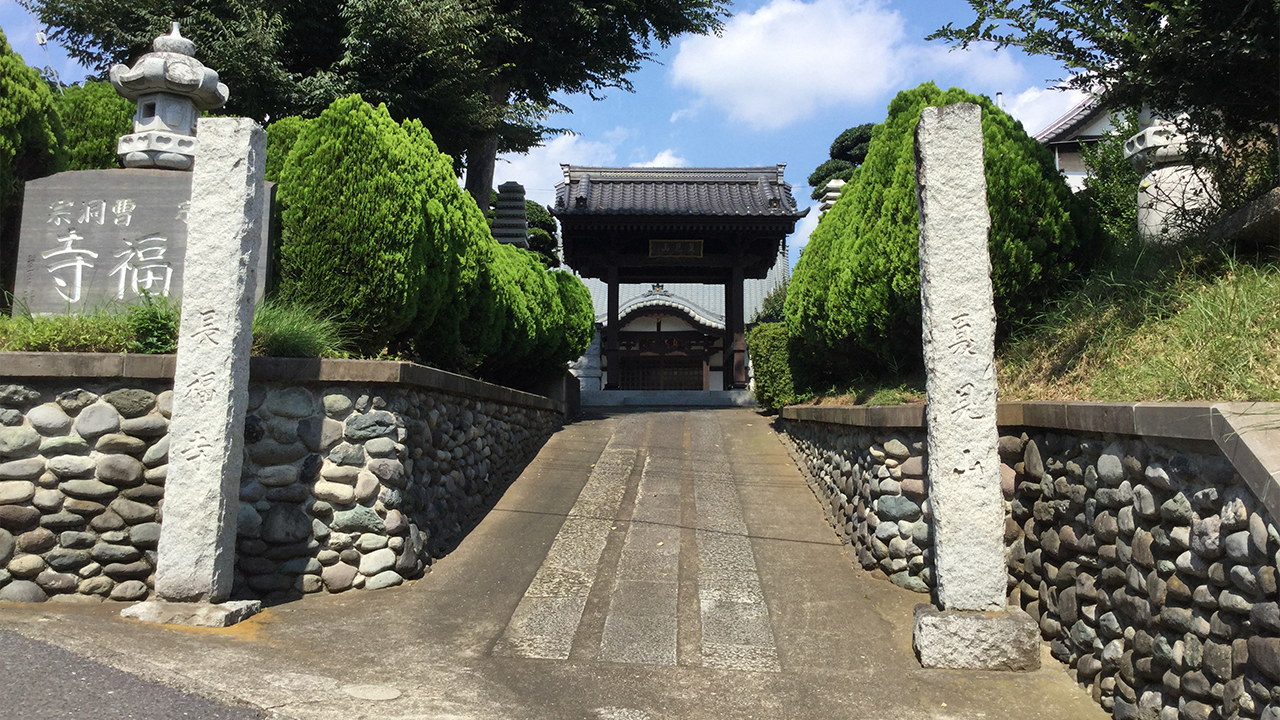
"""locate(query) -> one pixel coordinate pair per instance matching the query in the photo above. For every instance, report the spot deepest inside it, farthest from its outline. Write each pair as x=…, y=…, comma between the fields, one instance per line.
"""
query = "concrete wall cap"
x=268, y=369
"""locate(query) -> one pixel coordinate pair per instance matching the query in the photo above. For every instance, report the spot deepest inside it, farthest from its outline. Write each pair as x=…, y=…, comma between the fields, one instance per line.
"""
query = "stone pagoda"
x=171, y=88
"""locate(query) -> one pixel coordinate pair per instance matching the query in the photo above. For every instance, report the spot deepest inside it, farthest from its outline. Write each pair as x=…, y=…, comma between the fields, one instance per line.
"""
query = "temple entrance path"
x=646, y=565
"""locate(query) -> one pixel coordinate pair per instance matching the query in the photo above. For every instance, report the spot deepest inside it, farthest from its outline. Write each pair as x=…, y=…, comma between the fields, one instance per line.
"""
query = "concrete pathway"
x=646, y=565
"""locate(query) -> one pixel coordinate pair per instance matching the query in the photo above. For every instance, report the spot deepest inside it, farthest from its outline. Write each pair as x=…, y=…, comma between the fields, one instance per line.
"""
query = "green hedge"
x=357, y=241
x=767, y=344
x=378, y=234
x=854, y=301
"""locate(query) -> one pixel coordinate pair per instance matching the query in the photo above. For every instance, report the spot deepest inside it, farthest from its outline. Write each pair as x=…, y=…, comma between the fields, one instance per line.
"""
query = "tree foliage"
x=852, y=144
x=93, y=116
x=854, y=300
x=539, y=217
x=483, y=76
x=1112, y=183
x=31, y=146
x=847, y=152
x=1216, y=60
x=544, y=245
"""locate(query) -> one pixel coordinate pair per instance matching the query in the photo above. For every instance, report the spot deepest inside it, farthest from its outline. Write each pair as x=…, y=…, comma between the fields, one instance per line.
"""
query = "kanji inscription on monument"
x=94, y=237
x=91, y=238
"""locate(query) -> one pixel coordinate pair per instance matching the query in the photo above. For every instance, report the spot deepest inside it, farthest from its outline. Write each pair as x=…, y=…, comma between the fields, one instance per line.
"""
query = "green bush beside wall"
x=854, y=301
x=768, y=345
x=378, y=234
x=356, y=242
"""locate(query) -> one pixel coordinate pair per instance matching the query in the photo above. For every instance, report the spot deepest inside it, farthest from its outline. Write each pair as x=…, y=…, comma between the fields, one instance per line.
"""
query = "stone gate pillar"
x=211, y=382
x=974, y=629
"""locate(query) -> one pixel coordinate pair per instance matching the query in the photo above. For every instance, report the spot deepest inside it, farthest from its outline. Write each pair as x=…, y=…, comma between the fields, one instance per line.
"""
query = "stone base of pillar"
x=972, y=640
x=210, y=615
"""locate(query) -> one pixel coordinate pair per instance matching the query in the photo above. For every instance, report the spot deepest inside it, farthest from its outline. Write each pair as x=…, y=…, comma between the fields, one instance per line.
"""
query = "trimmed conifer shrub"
x=767, y=343
x=379, y=236
x=533, y=314
x=580, y=316
x=358, y=242
x=466, y=244
x=854, y=300
x=281, y=135
x=93, y=116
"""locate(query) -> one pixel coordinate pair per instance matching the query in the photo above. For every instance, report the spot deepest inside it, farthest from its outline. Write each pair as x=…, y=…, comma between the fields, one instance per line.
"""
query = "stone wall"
x=356, y=473
x=1149, y=561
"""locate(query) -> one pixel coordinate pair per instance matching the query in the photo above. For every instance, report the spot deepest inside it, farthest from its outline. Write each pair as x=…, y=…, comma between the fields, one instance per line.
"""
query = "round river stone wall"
x=343, y=486
x=1152, y=570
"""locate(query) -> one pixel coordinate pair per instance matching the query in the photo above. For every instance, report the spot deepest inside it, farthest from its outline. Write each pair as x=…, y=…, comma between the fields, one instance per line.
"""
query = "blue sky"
x=777, y=86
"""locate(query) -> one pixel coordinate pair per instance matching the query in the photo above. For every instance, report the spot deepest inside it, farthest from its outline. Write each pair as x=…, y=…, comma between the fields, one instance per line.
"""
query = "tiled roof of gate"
x=716, y=192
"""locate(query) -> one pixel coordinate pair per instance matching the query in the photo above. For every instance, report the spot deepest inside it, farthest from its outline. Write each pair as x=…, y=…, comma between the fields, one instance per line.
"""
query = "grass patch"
x=871, y=391
x=154, y=325
x=1163, y=324
x=151, y=327
x=283, y=329
x=95, y=332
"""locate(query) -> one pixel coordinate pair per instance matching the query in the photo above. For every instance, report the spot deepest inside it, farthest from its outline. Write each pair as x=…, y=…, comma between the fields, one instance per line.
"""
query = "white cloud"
x=979, y=66
x=539, y=169
x=666, y=158
x=685, y=112
x=1036, y=108
x=804, y=228
x=789, y=59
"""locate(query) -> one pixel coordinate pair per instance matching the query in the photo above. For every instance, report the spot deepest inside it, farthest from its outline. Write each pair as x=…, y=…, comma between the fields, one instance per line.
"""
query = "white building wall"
x=707, y=297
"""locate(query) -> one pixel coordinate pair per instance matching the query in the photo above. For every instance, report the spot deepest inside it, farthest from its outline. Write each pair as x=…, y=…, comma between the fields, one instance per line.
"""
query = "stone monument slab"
x=93, y=237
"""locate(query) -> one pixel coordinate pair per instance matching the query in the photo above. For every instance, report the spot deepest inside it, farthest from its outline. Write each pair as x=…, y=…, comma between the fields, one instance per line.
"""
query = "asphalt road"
x=41, y=682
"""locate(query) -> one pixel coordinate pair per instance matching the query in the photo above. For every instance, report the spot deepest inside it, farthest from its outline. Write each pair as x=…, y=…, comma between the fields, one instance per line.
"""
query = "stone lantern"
x=171, y=88
x=1170, y=187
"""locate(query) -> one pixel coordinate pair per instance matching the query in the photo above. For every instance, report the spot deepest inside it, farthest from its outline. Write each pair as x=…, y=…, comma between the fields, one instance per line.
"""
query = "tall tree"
x=482, y=75
x=1216, y=60
x=31, y=146
x=535, y=50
